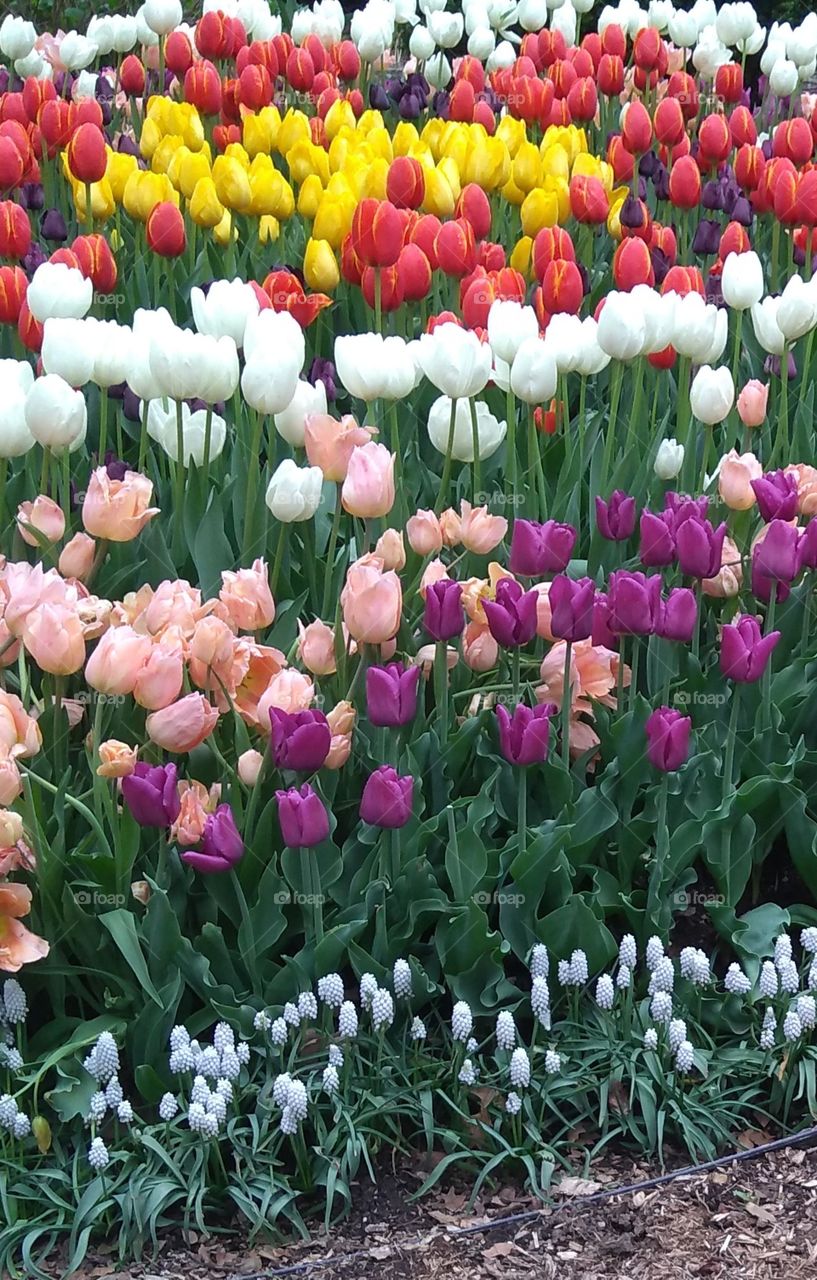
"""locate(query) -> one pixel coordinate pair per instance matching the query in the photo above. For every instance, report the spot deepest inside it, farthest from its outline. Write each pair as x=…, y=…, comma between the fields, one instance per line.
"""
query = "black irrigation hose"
x=647, y=1184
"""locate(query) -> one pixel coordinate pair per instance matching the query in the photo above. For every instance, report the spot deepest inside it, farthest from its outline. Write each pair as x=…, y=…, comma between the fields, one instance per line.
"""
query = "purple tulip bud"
x=616, y=519
x=700, y=548
x=773, y=365
x=684, y=508
x=571, y=607
x=657, y=546
x=300, y=739
x=221, y=845
x=537, y=549
x=443, y=618
x=775, y=560
x=387, y=798
x=776, y=494
x=807, y=546
x=32, y=196
x=679, y=616
x=707, y=238
x=668, y=739
x=302, y=817
x=745, y=651
x=601, y=633
x=512, y=616
x=635, y=603
x=524, y=736
x=391, y=694
x=322, y=370
x=152, y=794
x=52, y=227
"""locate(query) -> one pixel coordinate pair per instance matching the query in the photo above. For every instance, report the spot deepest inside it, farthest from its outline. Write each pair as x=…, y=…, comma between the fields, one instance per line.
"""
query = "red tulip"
x=377, y=233
x=714, y=141
x=455, y=247
x=583, y=100
x=211, y=35
x=611, y=74
x=669, y=123
x=685, y=183
x=96, y=261
x=461, y=102
x=735, y=239
x=562, y=288
x=12, y=165
x=729, y=82
x=165, y=230
x=13, y=286
x=414, y=270
x=588, y=199
x=614, y=40
x=15, y=230
x=202, y=87
x=132, y=76
x=750, y=164
x=632, y=264
x=178, y=53
x=348, y=60
x=636, y=128
x=647, y=48
x=551, y=243
x=793, y=139
x=405, y=183
x=391, y=287
x=29, y=330
x=474, y=206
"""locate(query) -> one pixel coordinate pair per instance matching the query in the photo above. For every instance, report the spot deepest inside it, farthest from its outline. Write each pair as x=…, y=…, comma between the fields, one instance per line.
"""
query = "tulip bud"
x=165, y=230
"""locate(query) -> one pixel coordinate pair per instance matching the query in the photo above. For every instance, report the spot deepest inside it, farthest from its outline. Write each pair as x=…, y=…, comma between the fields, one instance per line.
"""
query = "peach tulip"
x=329, y=443
x=424, y=533
x=11, y=828
x=435, y=571
x=342, y=717
x=390, y=550
x=372, y=601
x=118, y=510
x=727, y=583
x=806, y=478
x=54, y=638
x=183, y=725
x=737, y=471
x=543, y=611
x=196, y=803
x=115, y=663
x=18, y=945
x=316, y=648
x=249, y=767
x=262, y=662
x=77, y=557
x=246, y=596
x=341, y=724
x=290, y=690
x=480, y=532
x=116, y=759
x=450, y=527
x=159, y=680
x=11, y=783
x=26, y=586
x=41, y=517
x=19, y=732
x=174, y=604
x=752, y=403
x=368, y=490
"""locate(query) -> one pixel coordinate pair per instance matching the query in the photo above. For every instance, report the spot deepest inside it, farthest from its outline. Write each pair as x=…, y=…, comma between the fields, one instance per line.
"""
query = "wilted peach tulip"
x=329, y=443
x=18, y=945
x=183, y=725
x=752, y=403
x=42, y=516
x=263, y=661
x=290, y=690
x=389, y=548
x=426, y=656
x=117, y=510
x=77, y=557
x=593, y=675
x=480, y=650
x=480, y=532
x=424, y=533
x=53, y=636
x=115, y=663
x=11, y=784
x=116, y=759
x=806, y=478
x=211, y=652
x=450, y=527
x=435, y=571
x=341, y=724
x=19, y=732
x=249, y=767
x=728, y=582
x=159, y=680
x=175, y=604
x=368, y=490
x=196, y=803
x=316, y=648
x=372, y=601
x=11, y=828
x=246, y=595
x=737, y=471
x=141, y=891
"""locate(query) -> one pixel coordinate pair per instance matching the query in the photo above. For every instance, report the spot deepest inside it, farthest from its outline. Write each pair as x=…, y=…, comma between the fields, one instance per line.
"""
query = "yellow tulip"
x=294, y=127
x=223, y=233
x=432, y=136
x=526, y=168
x=488, y=163
x=439, y=197
x=150, y=138
x=521, y=256
x=321, y=270
x=448, y=167
x=455, y=148
x=539, y=209
x=163, y=155
x=117, y=171
x=232, y=183
x=555, y=163
x=204, y=206
x=512, y=193
x=512, y=133
x=339, y=115
x=379, y=140
x=333, y=219
x=103, y=204
x=269, y=229
x=259, y=131
x=405, y=139
x=369, y=120
x=614, y=220
x=192, y=167
x=310, y=196
x=144, y=190
x=304, y=158
x=375, y=179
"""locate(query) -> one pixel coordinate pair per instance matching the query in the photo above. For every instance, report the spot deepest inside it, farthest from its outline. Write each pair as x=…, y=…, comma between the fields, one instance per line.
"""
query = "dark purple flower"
x=776, y=494
x=601, y=633
x=302, y=817
x=713, y=196
x=635, y=603
x=324, y=371
x=443, y=617
x=32, y=196
x=512, y=615
x=657, y=543
x=35, y=258
x=745, y=651
x=378, y=98
x=678, y=616
x=300, y=739
x=391, y=694
x=152, y=794
x=807, y=546
x=667, y=739
x=387, y=798
x=707, y=238
x=616, y=519
x=571, y=607
x=775, y=560
x=684, y=508
x=221, y=845
x=524, y=736
x=631, y=214
x=772, y=365
x=700, y=548
x=52, y=227
x=537, y=549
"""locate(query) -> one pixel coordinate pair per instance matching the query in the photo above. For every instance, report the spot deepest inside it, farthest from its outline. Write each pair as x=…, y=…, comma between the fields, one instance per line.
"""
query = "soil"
x=756, y=1220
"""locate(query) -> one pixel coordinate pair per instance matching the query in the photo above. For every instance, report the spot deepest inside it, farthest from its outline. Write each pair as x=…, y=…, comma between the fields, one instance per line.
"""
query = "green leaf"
x=121, y=925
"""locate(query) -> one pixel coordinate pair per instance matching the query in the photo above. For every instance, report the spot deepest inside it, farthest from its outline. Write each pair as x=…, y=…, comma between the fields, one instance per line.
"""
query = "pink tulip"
x=118, y=510
x=42, y=516
x=116, y=759
x=368, y=490
x=25, y=586
x=19, y=732
x=174, y=604
x=480, y=650
x=116, y=661
x=249, y=767
x=372, y=601
x=435, y=571
x=329, y=443
x=737, y=471
x=450, y=527
x=77, y=557
x=246, y=596
x=290, y=690
x=183, y=725
x=752, y=403
x=159, y=681
x=316, y=648
x=54, y=638
x=11, y=787
x=424, y=533
x=389, y=548
x=479, y=531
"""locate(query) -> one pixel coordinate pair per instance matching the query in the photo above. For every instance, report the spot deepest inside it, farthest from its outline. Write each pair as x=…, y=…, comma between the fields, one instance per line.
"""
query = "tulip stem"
x=661, y=843
x=736, y=349
x=515, y=665
x=731, y=734
x=253, y=468
x=767, y=674
x=312, y=885
x=441, y=690
x=73, y=803
x=143, y=435
x=178, y=516
x=781, y=443
x=475, y=446
x=446, y=476
x=615, y=395
x=522, y=811
x=510, y=470
x=567, y=698
x=398, y=459
x=394, y=856
x=89, y=209
x=330, y=554
x=279, y=555
x=634, y=671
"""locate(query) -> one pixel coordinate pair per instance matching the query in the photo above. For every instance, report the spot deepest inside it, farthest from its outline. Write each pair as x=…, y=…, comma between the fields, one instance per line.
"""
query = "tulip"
x=678, y=616
x=116, y=759
x=775, y=560
x=634, y=602
x=117, y=510
x=443, y=617
x=151, y=793
x=745, y=652
x=316, y=648
x=524, y=737
x=509, y=325
x=391, y=694
x=294, y=493
x=766, y=327
x=533, y=372
x=669, y=459
x=302, y=816
x=183, y=725
x=512, y=616
x=752, y=403
x=712, y=394
x=668, y=739
x=300, y=740
x=571, y=605
x=424, y=533
x=247, y=598
x=250, y=764
x=221, y=847
x=736, y=476
x=537, y=549
x=372, y=367
x=615, y=519
x=776, y=494
x=454, y=361
x=796, y=309
x=742, y=280
x=115, y=663
x=329, y=443
x=77, y=557
x=54, y=638
x=165, y=230
x=42, y=516
x=55, y=414
x=225, y=310
x=368, y=489
x=371, y=601
x=699, y=548
x=387, y=799
x=478, y=531
x=657, y=539
x=489, y=431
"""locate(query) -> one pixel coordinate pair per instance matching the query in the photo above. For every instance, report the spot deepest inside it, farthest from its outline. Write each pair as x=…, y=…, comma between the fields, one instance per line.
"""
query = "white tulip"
x=509, y=324
x=504, y=55
x=533, y=372
x=421, y=43
x=58, y=290
x=112, y=344
x=669, y=459
x=17, y=37
x=268, y=383
x=564, y=20
x=481, y=43
x=445, y=29
x=16, y=380
x=796, y=309
x=294, y=493
x=271, y=335
x=194, y=436
x=564, y=340
x=372, y=367
x=766, y=327
x=683, y=29
x=226, y=310
x=289, y=423
x=658, y=311
x=591, y=359
x=67, y=350
x=438, y=71
x=76, y=51
x=712, y=394
x=699, y=328
x=124, y=33
x=454, y=360
x=55, y=413
x=742, y=280
x=490, y=432
x=162, y=16
x=622, y=330
x=783, y=78
x=532, y=15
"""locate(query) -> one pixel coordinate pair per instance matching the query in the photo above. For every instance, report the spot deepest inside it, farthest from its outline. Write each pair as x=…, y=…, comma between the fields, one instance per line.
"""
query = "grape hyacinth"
x=347, y=1021
x=539, y=961
x=168, y=1107
x=605, y=992
x=651, y=1038
x=278, y=1033
x=789, y=977
x=661, y=1007
x=291, y=1015
x=808, y=939
x=540, y=1001
x=768, y=1029
x=782, y=950
x=98, y=1155
x=627, y=952
x=382, y=1009
x=335, y=1056
x=330, y=1081
x=768, y=980
x=806, y=1009
x=624, y=977
x=462, y=1021
x=676, y=1033
x=684, y=1056
x=519, y=1069
x=505, y=1031
x=308, y=1006
x=553, y=1062
x=467, y=1074
x=662, y=977
x=418, y=1029
x=262, y=1021
x=15, y=1005
x=736, y=981
x=401, y=980
x=654, y=952
x=368, y=990
x=513, y=1104
x=792, y=1026
x=330, y=990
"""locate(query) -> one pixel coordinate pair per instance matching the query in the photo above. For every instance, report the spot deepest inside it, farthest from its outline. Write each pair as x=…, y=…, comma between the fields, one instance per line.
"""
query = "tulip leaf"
x=121, y=925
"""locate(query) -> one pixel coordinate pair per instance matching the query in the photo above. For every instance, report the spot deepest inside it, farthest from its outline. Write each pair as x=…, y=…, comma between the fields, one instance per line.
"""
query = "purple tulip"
x=391, y=694
x=700, y=548
x=635, y=603
x=443, y=617
x=52, y=227
x=221, y=845
x=152, y=794
x=537, y=549
x=679, y=616
x=601, y=633
x=807, y=546
x=657, y=545
x=512, y=615
x=682, y=508
x=668, y=739
x=776, y=494
x=571, y=607
x=745, y=651
x=302, y=817
x=707, y=238
x=616, y=519
x=300, y=739
x=387, y=798
x=524, y=736
x=775, y=560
